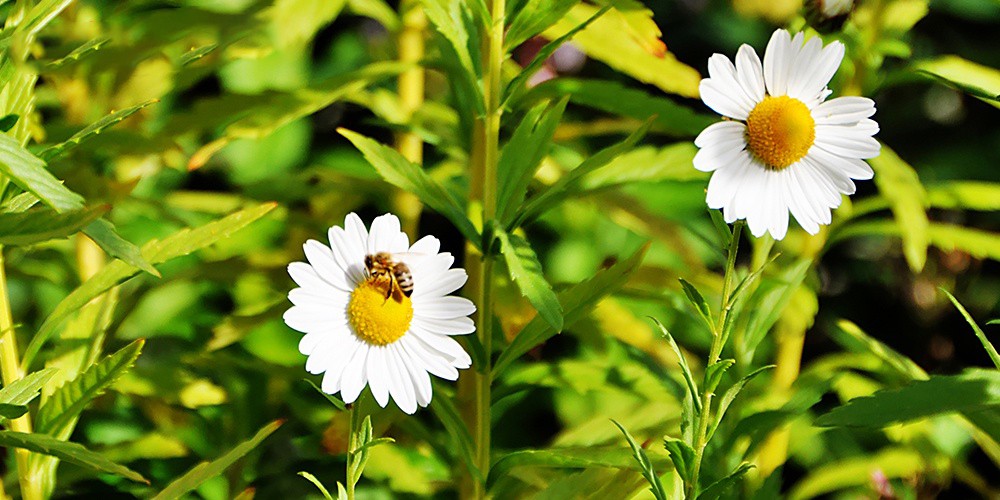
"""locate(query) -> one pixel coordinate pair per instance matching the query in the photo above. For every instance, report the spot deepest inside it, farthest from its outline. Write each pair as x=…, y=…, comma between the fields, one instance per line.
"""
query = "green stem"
x=486, y=172
x=352, y=446
x=411, y=98
x=714, y=353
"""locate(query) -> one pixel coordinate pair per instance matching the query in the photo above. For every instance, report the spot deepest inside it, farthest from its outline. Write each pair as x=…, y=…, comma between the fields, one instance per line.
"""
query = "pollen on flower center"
x=375, y=318
x=780, y=131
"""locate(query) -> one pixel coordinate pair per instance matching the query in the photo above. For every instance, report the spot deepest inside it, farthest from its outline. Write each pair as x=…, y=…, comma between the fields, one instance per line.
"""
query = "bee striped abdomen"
x=403, y=278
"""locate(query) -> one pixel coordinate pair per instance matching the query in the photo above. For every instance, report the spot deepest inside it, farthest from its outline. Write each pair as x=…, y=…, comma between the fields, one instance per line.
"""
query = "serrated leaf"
x=692, y=386
x=714, y=373
x=612, y=97
x=980, y=81
x=613, y=40
x=716, y=489
x=447, y=413
x=730, y=396
x=208, y=470
x=449, y=19
x=67, y=451
x=69, y=400
x=526, y=271
x=646, y=164
x=577, y=458
x=699, y=303
x=569, y=183
x=103, y=233
x=312, y=479
x=336, y=402
x=534, y=17
x=522, y=155
x=400, y=172
x=93, y=129
x=80, y=52
x=682, y=455
x=197, y=53
x=655, y=486
x=771, y=303
x=992, y=351
x=29, y=173
x=180, y=243
x=576, y=301
x=971, y=391
x=23, y=390
x=36, y=226
x=898, y=183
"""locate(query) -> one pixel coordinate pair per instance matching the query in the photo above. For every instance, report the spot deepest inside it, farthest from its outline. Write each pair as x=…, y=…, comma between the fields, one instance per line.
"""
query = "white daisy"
x=361, y=328
x=785, y=148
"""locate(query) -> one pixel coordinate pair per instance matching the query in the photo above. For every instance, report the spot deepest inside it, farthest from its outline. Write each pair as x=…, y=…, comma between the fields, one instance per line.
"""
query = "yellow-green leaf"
x=980, y=81
x=899, y=183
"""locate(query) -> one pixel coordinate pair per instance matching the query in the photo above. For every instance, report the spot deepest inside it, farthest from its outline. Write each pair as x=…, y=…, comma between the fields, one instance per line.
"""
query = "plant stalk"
x=411, y=97
x=10, y=370
x=714, y=353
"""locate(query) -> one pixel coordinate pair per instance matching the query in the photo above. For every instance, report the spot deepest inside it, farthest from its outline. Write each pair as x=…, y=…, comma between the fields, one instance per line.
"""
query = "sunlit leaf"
x=682, y=455
x=992, y=351
x=577, y=458
x=36, y=226
x=898, y=182
x=533, y=17
x=24, y=390
x=526, y=271
x=576, y=302
x=521, y=156
x=645, y=465
x=181, y=243
x=971, y=195
x=975, y=79
x=67, y=451
x=207, y=470
x=857, y=471
x=730, y=395
x=613, y=40
x=69, y=400
x=103, y=232
x=29, y=173
x=80, y=52
x=692, y=386
x=948, y=237
x=93, y=129
x=716, y=489
x=312, y=479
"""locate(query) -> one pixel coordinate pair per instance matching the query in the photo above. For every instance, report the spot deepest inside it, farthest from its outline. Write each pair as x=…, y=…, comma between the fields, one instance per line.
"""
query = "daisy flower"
x=386, y=327
x=784, y=147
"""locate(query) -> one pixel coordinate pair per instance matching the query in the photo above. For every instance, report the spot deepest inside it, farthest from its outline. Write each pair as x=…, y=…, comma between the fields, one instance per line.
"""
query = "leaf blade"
x=29, y=173
x=526, y=271
x=67, y=451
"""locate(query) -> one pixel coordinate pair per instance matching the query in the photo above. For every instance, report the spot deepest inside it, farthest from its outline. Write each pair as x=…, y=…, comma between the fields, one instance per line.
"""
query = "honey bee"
x=383, y=264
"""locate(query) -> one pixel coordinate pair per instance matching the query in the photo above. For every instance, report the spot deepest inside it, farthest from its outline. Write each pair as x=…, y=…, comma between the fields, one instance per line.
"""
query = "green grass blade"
x=64, y=450
x=990, y=349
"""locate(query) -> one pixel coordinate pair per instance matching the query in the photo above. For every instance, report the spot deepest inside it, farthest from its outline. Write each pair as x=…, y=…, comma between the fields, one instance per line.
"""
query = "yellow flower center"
x=376, y=318
x=780, y=131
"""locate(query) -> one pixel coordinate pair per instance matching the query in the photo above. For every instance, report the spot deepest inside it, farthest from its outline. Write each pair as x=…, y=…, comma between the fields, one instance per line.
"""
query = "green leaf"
x=992, y=351
x=898, y=183
x=699, y=303
x=336, y=402
x=577, y=458
x=23, y=390
x=69, y=400
x=682, y=455
x=856, y=471
x=207, y=470
x=522, y=155
x=771, y=303
x=526, y=271
x=312, y=479
x=576, y=302
x=409, y=177
x=29, y=173
x=947, y=237
x=644, y=465
x=449, y=18
x=36, y=226
x=730, y=396
x=377, y=10
x=568, y=184
x=685, y=369
x=197, y=53
x=67, y=451
x=40, y=15
x=10, y=411
x=977, y=80
x=973, y=390
x=716, y=489
x=628, y=41
x=612, y=97
x=79, y=53
x=646, y=164
x=533, y=17
x=92, y=130
x=714, y=373
x=8, y=122
x=970, y=195
x=180, y=243
x=852, y=338
x=103, y=233
x=446, y=412
x=298, y=21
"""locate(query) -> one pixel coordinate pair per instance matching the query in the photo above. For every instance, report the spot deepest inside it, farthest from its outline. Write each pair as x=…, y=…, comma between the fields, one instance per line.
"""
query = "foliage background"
x=241, y=101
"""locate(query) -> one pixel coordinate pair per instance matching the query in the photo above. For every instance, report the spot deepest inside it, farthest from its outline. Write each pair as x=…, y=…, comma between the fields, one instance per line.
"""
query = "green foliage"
x=29, y=173
x=15, y=397
x=527, y=273
x=207, y=470
x=898, y=182
x=644, y=464
x=93, y=129
x=36, y=226
x=69, y=452
x=974, y=79
x=521, y=156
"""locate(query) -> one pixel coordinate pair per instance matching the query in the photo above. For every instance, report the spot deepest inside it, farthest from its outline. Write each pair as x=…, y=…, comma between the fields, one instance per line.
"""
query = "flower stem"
x=411, y=97
x=486, y=148
x=714, y=353
x=353, y=443
x=10, y=370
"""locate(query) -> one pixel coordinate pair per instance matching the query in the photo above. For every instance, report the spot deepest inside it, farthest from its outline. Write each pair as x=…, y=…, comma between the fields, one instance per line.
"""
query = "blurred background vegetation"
x=235, y=102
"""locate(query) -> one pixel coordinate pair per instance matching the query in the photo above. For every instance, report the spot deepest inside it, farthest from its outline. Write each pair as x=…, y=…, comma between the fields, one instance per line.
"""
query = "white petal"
x=307, y=318
x=384, y=231
x=455, y=326
x=847, y=110
x=441, y=285
x=443, y=307
x=778, y=57
x=321, y=258
x=332, y=357
x=433, y=362
x=850, y=142
x=421, y=380
x=851, y=167
x=354, y=379
x=348, y=253
x=305, y=276
x=428, y=245
x=720, y=143
x=724, y=98
x=799, y=74
x=444, y=346
x=815, y=72
x=797, y=202
x=402, y=386
x=378, y=378
x=330, y=297
x=750, y=73
x=725, y=182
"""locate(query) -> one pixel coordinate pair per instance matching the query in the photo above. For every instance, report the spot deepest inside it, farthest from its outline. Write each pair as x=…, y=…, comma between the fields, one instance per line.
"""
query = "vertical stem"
x=411, y=97
x=10, y=369
x=714, y=353
x=485, y=155
x=352, y=445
